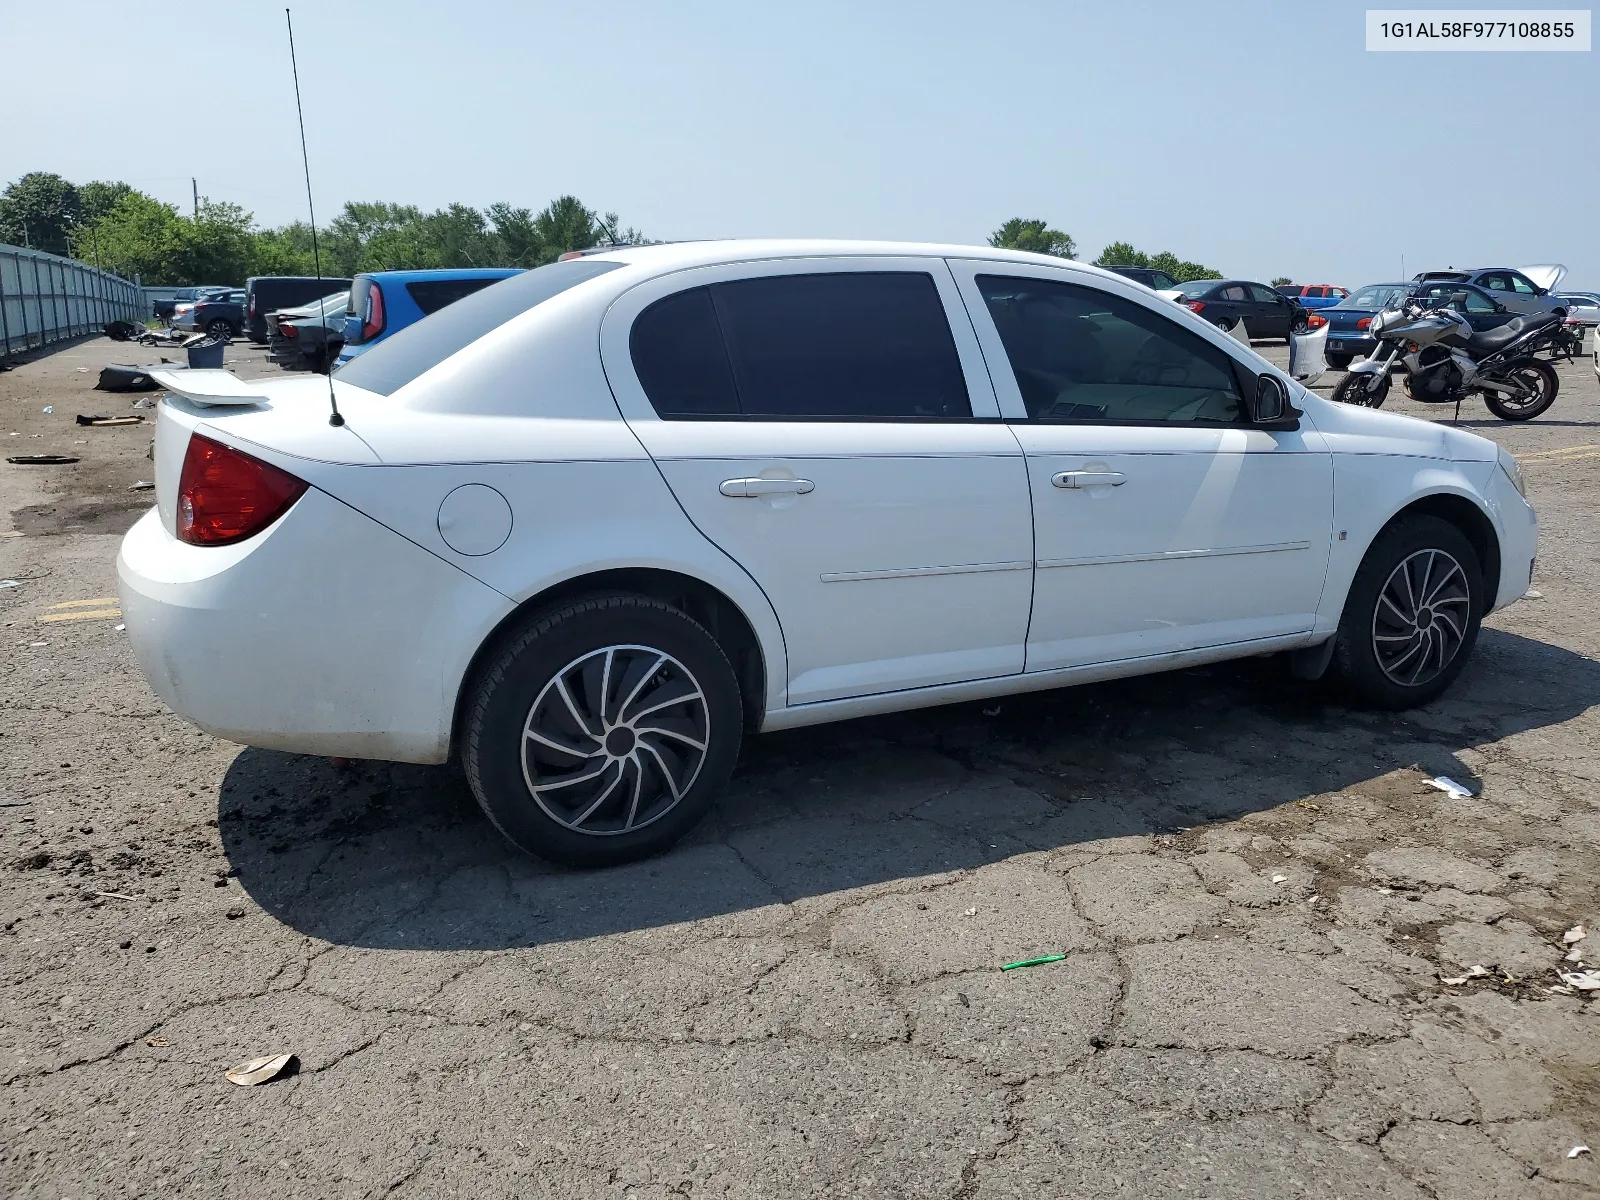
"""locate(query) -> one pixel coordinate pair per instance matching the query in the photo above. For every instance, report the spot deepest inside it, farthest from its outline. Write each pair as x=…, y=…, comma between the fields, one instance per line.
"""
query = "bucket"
x=207, y=355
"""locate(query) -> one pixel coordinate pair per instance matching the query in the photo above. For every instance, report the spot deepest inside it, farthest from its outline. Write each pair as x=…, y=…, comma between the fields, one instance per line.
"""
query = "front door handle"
x=1083, y=479
x=750, y=489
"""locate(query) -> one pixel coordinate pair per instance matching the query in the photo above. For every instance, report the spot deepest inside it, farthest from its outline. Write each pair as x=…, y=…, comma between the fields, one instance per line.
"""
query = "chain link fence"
x=45, y=298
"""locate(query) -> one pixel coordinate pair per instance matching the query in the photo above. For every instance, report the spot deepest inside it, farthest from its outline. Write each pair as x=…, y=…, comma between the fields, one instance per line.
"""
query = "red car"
x=1314, y=295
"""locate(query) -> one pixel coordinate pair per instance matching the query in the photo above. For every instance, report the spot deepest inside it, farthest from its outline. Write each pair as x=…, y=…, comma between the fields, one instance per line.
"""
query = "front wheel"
x=220, y=329
x=603, y=730
x=1540, y=384
x=1300, y=324
x=1225, y=324
x=1412, y=615
x=1368, y=391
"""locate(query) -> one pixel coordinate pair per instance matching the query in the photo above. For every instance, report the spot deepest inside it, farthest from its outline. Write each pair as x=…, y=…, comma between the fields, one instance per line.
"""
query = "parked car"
x=268, y=293
x=1524, y=289
x=382, y=303
x=1226, y=302
x=308, y=337
x=597, y=522
x=165, y=307
x=1156, y=281
x=1582, y=307
x=220, y=314
x=1350, y=319
x=1313, y=296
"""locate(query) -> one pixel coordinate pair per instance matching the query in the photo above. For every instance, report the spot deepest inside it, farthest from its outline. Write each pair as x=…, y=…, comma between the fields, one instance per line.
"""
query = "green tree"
x=141, y=236
x=1121, y=254
x=1036, y=236
x=1280, y=280
x=39, y=210
x=98, y=198
x=563, y=225
x=216, y=245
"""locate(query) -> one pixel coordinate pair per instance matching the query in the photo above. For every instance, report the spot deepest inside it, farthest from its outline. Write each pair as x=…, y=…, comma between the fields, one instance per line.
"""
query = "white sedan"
x=589, y=527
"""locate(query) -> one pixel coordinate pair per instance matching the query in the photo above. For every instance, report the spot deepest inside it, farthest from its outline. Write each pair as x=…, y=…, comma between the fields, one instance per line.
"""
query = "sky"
x=1259, y=138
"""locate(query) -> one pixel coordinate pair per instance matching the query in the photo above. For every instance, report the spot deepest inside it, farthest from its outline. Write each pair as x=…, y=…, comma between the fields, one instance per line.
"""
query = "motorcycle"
x=1446, y=360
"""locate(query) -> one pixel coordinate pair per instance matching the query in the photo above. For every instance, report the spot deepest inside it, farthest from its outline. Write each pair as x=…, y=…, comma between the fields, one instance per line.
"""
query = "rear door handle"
x=1083, y=479
x=750, y=489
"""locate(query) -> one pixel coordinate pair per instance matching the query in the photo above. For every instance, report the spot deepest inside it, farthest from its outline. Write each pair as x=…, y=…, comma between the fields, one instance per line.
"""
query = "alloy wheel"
x=1532, y=384
x=615, y=740
x=1421, y=617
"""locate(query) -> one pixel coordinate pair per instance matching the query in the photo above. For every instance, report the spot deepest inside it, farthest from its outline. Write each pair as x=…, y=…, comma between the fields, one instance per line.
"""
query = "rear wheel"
x=602, y=732
x=1412, y=615
x=1300, y=323
x=1225, y=324
x=1369, y=391
x=1541, y=383
x=220, y=329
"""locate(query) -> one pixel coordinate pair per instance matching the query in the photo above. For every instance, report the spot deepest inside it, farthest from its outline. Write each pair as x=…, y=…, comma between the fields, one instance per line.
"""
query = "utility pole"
x=193, y=183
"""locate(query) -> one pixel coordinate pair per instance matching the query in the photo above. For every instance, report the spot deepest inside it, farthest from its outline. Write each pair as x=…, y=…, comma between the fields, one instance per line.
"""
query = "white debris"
x=1573, y=955
x=1576, y=934
x=1280, y=879
x=1533, y=594
x=259, y=1070
x=1450, y=787
x=1584, y=981
x=1474, y=972
x=971, y=912
x=1577, y=1150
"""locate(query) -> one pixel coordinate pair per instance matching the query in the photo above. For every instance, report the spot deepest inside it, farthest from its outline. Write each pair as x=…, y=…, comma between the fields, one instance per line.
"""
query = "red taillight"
x=1364, y=323
x=225, y=496
x=288, y=331
x=373, y=325
x=1316, y=321
x=1195, y=305
x=252, y=304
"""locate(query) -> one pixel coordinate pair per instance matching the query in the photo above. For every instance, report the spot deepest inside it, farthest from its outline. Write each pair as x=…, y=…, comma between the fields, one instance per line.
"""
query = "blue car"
x=1349, y=320
x=384, y=302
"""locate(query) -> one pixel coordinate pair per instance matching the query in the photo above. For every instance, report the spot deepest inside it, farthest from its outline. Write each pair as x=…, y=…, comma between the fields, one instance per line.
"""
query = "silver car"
x=1521, y=289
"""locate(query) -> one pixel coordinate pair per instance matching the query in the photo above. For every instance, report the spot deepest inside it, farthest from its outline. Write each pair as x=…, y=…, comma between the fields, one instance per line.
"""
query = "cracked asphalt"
x=1257, y=896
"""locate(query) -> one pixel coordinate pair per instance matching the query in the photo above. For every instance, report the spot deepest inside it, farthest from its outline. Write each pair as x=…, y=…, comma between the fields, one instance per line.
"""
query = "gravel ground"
x=1258, y=897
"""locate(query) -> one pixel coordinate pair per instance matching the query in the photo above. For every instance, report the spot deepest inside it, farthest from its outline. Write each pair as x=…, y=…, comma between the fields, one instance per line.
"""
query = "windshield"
x=400, y=358
x=1196, y=287
x=1374, y=295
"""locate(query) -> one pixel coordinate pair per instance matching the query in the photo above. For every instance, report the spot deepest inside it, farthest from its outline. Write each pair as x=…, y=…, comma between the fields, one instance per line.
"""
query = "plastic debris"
x=103, y=419
x=49, y=408
x=1280, y=879
x=1532, y=594
x=1450, y=787
x=143, y=485
x=41, y=460
x=1577, y=1150
x=1584, y=981
x=1573, y=955
x=971, y=912
x=1576, y=934
x=114, y=895
x=9, y=583
x=1473, y=972
x=119, y=628
x=1033, y=962
x=259, y=1070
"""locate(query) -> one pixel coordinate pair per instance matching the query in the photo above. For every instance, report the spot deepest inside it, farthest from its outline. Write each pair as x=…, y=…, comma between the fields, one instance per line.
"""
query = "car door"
x=1163, y=521
x=825, y=425
x=1272, y=312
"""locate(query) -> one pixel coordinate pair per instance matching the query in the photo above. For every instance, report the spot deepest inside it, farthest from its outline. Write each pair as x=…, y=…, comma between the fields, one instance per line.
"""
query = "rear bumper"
x=328, y=634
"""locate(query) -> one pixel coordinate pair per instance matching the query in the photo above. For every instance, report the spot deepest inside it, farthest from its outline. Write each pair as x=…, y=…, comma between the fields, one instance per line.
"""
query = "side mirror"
x=1272, y=407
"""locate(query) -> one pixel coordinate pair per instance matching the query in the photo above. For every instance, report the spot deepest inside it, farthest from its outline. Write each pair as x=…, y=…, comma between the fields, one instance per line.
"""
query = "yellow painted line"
x=1556, y=462
x=98, y=614
x=84, y=603
x=1555, y=453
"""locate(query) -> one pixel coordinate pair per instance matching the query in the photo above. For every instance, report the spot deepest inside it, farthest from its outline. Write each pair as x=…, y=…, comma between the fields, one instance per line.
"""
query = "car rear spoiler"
x=213, y=389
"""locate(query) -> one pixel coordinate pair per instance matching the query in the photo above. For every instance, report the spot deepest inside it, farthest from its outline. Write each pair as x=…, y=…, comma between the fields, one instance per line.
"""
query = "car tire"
x=1299, y=324
x=1339, y=362
x=1388, y=658
x=1225, y=324
x=220, y=329
x=561, y=772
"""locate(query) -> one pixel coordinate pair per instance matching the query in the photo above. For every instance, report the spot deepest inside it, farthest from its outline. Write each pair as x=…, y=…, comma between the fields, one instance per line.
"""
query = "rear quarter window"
x=433, y=294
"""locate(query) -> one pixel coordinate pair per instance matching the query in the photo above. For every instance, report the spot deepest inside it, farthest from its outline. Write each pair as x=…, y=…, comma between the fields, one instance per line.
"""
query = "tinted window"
x=1380, y=295
x=1083, y=355
x=1197, y=289
x=1233, y=292
x=1161, y=281
x=1294, y=289
x=1476, y=302
x=433, y=294
x=397, y=360
x=850, y=345
x=1262, y=294
x=678, y=354
x=1497, y=282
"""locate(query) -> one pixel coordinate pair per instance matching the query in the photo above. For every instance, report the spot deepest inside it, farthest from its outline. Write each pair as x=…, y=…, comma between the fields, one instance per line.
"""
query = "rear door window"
x=433, y=294
x=1082, y=355
x=1233, y=292
x=1264, y=295
x=839, y=346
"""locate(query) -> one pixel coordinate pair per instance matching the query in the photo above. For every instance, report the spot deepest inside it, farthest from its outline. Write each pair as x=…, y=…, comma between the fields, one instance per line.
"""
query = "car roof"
x=406, y=276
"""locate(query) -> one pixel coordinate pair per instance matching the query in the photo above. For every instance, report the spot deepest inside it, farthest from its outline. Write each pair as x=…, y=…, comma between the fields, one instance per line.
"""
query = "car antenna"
x=316, y=255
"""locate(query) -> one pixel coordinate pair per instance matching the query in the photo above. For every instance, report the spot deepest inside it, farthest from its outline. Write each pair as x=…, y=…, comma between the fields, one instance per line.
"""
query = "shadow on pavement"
x=394, y=856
